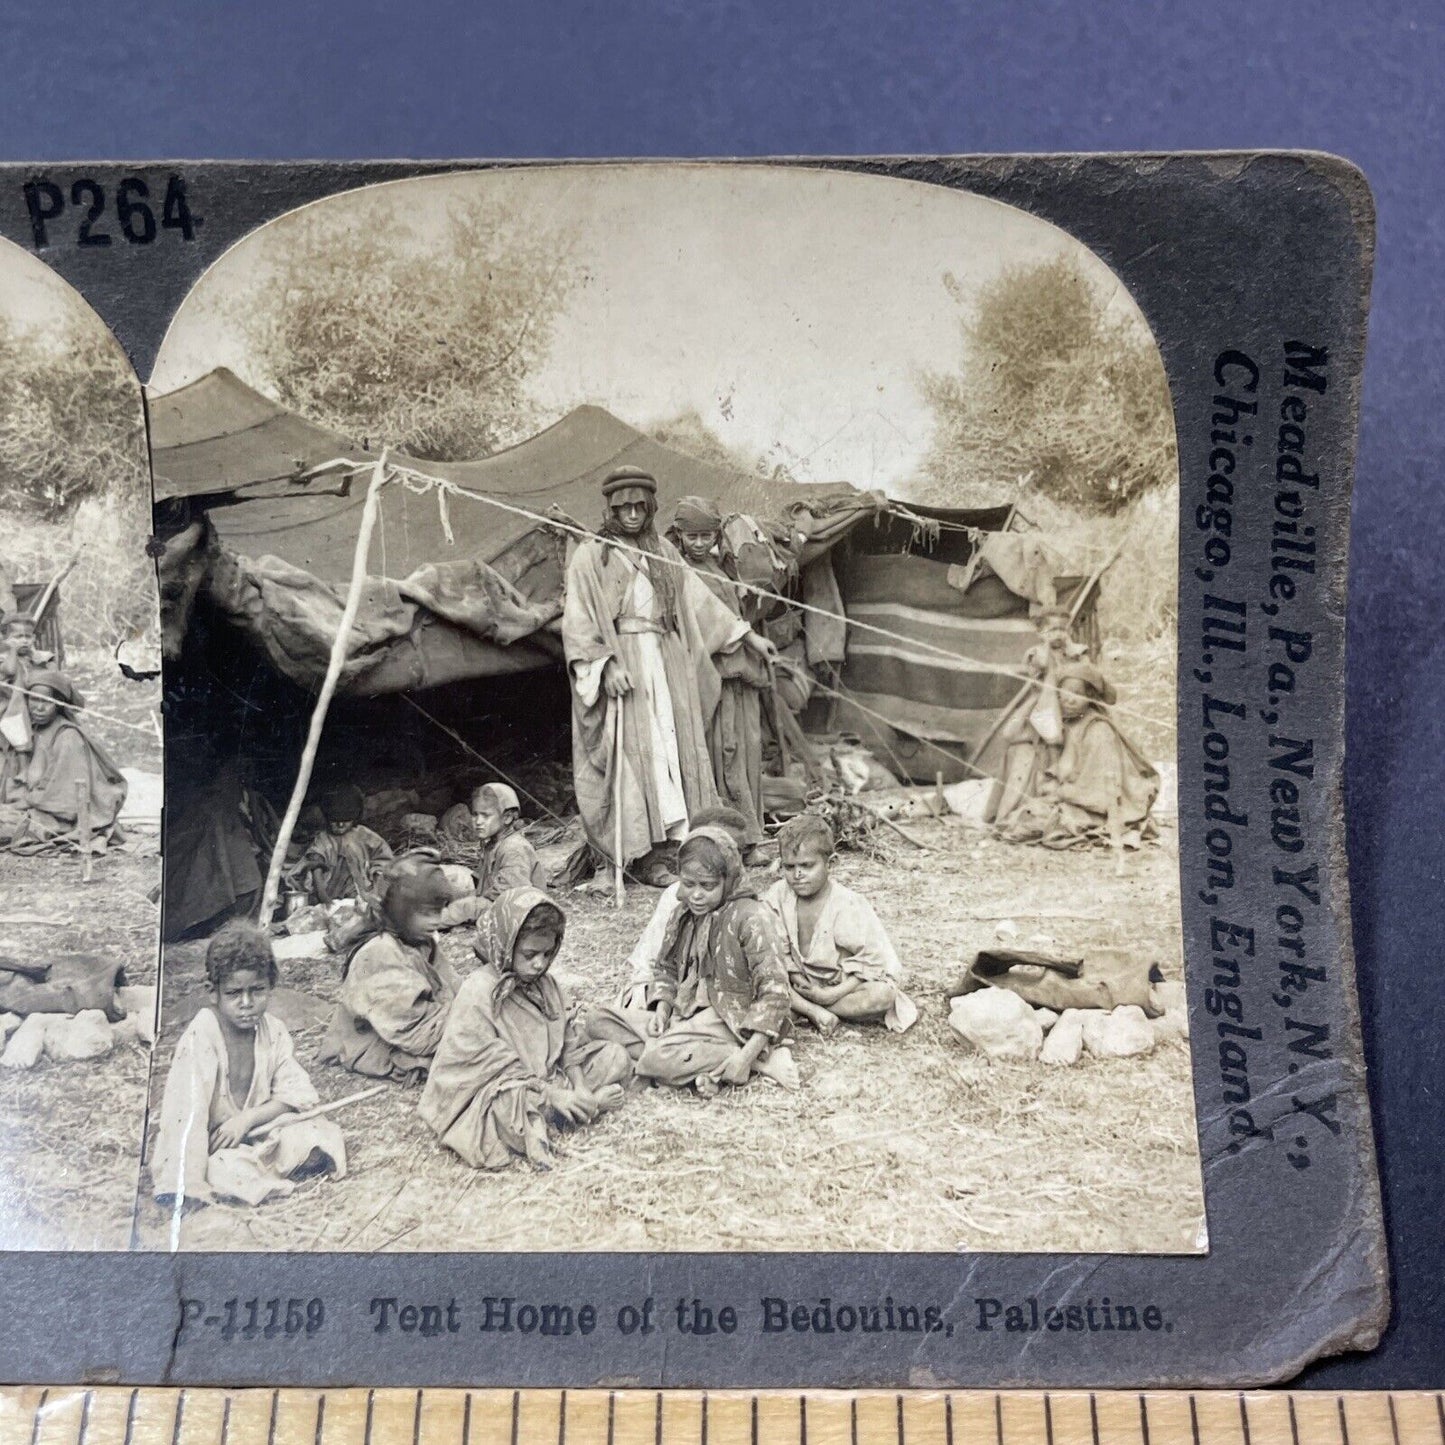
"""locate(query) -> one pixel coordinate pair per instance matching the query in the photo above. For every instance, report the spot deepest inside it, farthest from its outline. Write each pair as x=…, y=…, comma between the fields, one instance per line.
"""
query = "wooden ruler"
x=111, y=1416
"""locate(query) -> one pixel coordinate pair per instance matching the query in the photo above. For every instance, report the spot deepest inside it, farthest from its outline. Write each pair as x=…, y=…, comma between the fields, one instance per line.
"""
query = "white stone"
x=998, y=1023
x=1121, y=1034
x=298, y=945
x=139, y=1023
x=27, y=1043
x=8, y=1024
x=86, y=1036
x=1006, y=928
x=1166, y=997
x=1171, y=1025
x=1047, y=1018
x=1066, y=1039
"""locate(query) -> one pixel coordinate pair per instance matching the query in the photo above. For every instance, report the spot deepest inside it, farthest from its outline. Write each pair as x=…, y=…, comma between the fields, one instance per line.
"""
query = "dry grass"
x=71, y=1130
x=111, y=594
x=892, y=1144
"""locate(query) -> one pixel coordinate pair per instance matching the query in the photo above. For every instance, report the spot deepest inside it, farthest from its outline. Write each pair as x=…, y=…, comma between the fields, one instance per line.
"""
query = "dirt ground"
x=69, y=1171
x=893, y=1143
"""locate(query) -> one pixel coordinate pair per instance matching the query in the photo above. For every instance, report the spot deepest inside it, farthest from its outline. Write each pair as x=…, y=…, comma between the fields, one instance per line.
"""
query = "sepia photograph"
x=670, y=728
x=80, y=769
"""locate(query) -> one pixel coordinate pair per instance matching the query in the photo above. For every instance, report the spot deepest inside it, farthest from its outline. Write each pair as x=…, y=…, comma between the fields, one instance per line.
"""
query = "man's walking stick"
x=619, y=892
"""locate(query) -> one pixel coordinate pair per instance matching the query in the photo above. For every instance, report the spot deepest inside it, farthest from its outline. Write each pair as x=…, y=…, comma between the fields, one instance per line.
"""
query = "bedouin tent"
x=261, y=507
x=466, y=589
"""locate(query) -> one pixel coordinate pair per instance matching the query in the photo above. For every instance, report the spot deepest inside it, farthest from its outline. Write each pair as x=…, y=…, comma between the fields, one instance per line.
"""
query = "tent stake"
x=619, y=891
x=328, y=689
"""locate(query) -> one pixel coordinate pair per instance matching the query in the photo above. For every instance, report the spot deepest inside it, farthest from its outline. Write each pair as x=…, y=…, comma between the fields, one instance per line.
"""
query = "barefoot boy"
x=227, y=1125
x=842, y=966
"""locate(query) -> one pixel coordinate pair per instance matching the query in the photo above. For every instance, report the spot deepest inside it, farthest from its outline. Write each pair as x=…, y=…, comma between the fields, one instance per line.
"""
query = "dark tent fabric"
x=483, y=602
x=248, y=456
x=287, y=537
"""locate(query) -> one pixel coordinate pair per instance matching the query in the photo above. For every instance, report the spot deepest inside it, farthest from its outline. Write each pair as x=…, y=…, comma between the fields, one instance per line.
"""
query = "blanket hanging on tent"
x=294, y=615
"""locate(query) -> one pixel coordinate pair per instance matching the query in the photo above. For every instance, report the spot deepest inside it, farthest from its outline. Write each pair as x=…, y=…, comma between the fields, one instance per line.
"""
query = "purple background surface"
x=270, y=80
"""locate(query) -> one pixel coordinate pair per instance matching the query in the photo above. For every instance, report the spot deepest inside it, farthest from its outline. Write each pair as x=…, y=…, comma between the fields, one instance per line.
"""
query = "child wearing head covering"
x=395, y=988
x=344, y=859
x=735, y=730
x=721, y=996
x=508, y=859
x=41, y=809
x=642, y=961
x=841, y=962
x=505, y=858
x=511, y=1063
x=234, y=1079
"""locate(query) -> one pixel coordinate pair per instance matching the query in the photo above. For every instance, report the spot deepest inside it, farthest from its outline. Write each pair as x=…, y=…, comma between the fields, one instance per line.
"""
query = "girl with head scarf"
x=719, y=997
x=511, y=1065
x=41, y=809
x=395, y=988
x=735, y=731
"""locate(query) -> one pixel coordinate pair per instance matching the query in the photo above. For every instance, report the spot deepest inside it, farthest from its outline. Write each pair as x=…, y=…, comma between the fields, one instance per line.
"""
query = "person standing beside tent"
x=640, y=631
x=735, y=736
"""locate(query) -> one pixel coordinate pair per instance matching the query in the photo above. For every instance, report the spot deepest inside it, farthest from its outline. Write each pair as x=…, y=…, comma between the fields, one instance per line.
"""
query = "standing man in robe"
x=640, y=631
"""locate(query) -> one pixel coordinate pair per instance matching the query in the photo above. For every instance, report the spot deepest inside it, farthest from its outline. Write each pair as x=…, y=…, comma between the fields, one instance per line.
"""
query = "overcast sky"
x=793, y=310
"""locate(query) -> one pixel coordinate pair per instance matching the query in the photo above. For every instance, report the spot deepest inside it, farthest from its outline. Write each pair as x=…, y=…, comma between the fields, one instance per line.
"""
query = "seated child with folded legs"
x=507, y=858
x=720, y=999
x=642, y=961
x=234, y=1080
x=511, y=1065
x=343, y=860
x=395, y=987
x=841, y=964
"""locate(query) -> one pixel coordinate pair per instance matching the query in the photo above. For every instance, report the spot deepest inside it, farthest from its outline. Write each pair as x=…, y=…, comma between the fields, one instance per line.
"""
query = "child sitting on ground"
x=395, y=987
x=841, y=963
x=720, y=1010
x=642, y=961
x=507, y=858
x=343, y=860
x=510, y=1063
x=235, y=1073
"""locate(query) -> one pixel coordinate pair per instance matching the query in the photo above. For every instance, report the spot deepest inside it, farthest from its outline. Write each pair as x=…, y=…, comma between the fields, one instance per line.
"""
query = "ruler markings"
x=112, y=1416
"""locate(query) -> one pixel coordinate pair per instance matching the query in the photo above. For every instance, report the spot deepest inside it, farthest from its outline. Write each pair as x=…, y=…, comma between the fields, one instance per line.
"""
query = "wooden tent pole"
x=38, y=611
x=328, y=688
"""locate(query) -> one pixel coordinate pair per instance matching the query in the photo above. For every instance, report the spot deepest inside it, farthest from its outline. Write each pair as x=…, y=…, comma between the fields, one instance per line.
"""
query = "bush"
x=1058, y=397
x=394, y=338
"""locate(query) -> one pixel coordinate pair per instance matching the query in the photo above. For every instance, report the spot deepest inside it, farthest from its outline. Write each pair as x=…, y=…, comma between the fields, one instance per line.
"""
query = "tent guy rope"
x=419, y=483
